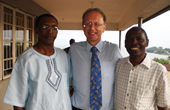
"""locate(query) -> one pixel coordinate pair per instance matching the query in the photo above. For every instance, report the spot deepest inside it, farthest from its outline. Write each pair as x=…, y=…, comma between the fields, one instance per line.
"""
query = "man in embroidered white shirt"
x=40, y=77
x=140, y=83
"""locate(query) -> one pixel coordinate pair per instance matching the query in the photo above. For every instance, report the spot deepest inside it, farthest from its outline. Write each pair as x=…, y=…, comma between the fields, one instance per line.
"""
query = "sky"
x=157, y=29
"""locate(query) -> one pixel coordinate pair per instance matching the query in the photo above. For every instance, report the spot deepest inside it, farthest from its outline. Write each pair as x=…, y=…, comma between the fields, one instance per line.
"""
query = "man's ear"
x=82, y=26
x=147, y=42
x=104, y=28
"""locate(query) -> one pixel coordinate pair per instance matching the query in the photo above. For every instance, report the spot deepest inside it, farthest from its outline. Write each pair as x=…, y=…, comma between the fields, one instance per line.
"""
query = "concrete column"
x=140, y=21
x=120, y=32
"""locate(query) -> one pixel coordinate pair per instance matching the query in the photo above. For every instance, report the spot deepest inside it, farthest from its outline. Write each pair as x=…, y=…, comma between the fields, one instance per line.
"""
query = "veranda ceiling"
x=121, y=14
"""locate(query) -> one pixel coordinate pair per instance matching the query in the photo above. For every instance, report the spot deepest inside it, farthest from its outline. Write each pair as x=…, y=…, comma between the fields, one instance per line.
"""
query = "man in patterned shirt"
x=140, y=83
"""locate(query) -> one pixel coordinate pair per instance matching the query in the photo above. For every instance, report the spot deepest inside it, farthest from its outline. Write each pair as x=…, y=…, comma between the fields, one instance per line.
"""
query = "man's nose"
x=134, y=41
x=50, y=30
x=92, y=26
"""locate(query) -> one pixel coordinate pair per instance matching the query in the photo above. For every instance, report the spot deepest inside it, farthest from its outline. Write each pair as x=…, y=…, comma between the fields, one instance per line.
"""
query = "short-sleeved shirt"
x=143, y=87
x=40, y=82
x=80, y=55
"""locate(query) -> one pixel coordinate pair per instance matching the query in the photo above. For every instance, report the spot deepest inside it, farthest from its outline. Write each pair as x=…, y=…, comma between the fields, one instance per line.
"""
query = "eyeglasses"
x=45, y=27
x=90, y=24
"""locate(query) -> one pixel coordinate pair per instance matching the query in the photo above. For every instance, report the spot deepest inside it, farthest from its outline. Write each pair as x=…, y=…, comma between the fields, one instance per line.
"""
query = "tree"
x=168, y=57
x=162, y=61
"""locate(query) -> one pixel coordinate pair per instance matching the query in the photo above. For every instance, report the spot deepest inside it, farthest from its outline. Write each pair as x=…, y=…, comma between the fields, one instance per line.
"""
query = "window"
x=29, y=34
x=17, y=36
x=7, y=41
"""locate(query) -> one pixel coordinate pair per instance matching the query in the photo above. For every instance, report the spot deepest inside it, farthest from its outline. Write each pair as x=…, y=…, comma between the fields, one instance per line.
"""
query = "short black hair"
x=71, y=41
x=42, y=16
x=94, y=9
x=135, y=27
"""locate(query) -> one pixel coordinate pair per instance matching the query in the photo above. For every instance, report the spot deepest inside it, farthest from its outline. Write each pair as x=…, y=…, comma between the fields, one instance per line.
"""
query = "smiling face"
x=46, y=36
x=93, y=33
x=136, y=43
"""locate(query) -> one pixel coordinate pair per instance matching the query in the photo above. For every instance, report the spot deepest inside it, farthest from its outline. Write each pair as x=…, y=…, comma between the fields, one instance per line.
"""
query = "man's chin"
x=49, y=44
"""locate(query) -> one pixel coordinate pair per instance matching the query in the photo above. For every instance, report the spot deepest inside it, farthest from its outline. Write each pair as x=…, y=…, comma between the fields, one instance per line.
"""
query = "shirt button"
x=130, y=81
x=127, y=94
x=125, y=107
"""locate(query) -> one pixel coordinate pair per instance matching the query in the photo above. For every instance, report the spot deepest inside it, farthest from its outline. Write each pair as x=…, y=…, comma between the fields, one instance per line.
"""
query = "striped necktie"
x=95, y=81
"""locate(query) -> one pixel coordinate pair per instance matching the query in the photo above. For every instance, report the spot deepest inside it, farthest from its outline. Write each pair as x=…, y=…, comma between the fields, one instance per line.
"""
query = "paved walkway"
x=3, y=86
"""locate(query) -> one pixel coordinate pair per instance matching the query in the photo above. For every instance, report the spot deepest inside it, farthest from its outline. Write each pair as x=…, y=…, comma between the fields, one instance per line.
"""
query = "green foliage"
x=167, y=49
x=168, y=57
x=158, y=50
x=162, y=61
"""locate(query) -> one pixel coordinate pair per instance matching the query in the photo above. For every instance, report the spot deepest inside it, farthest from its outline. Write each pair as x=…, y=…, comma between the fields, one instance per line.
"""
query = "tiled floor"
x=3, y=86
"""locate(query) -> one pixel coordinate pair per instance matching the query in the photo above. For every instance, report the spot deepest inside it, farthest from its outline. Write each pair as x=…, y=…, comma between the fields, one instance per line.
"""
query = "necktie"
x=95, y=81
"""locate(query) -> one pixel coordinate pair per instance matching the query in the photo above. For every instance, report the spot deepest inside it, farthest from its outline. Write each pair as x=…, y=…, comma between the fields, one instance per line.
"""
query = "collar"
x=44, y=56
x=98, y=46
x=146, y=62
